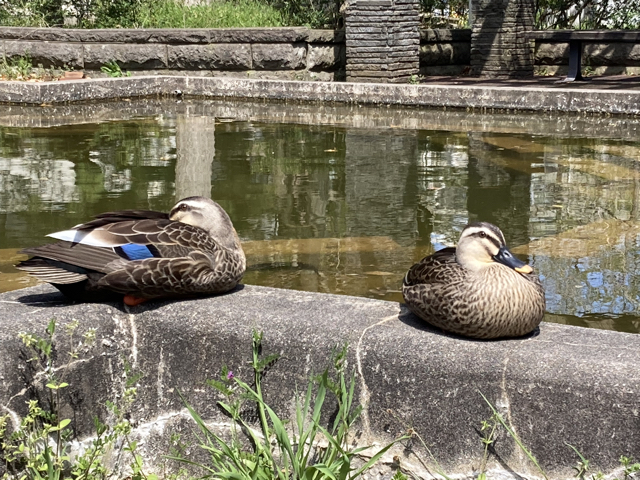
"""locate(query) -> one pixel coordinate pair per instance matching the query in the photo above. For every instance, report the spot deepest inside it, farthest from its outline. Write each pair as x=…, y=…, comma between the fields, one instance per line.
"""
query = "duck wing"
x=121, y=216
x=440, y=267
x=141, y=232
x=145, y=257
x=159, y=277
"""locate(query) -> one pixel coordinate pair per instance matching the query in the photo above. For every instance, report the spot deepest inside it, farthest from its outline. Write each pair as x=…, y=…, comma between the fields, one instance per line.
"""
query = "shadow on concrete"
x=57, y=299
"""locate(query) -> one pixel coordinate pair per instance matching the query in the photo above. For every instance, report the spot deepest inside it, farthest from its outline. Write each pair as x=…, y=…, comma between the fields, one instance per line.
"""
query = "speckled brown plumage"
x=485, y=299
x=195, y=251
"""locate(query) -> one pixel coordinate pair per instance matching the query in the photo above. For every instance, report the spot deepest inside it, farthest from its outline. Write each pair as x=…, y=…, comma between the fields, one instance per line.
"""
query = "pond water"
x=344, y=199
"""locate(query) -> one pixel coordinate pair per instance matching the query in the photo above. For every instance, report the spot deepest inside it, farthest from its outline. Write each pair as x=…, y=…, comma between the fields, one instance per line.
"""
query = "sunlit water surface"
x=344, y=200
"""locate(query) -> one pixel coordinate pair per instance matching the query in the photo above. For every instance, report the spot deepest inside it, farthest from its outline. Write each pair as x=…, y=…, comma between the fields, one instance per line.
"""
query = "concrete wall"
x=296, y=53
x=564, y=384
x=290, y=53
x=600, y=59
x=283, y=53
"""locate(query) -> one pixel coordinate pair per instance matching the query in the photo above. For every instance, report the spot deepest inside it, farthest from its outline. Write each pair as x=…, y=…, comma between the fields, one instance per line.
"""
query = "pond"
x=342, y=199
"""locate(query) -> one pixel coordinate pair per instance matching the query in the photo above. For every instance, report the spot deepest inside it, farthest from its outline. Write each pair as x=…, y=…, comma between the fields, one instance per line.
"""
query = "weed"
x=582, y=467
x=16, y=68
x=629, y=467
x=21, y=68
x=113, y=69
x=310, y=451
x=496, y=419
x=38, y=448
x=399, y=476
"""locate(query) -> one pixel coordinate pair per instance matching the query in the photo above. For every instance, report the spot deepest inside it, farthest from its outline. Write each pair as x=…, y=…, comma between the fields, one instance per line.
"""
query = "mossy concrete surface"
x=561, y=385
x=463, y=94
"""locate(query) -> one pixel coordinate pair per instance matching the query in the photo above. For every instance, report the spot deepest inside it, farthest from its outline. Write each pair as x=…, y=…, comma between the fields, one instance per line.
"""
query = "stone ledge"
x=172, y=35
x=565, y=384
x=370, y=117
x=451, y=96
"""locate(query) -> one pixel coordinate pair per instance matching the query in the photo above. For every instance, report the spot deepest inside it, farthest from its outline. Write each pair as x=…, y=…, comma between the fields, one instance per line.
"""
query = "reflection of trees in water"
x=277, y=181
x=195, y=150
x=70, y=169
x=291, y=179
x=439, y=176
x=584, y=183
x=605, y=283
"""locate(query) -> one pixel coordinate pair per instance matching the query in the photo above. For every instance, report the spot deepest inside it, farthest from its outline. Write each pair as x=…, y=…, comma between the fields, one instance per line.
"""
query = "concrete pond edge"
x=509, y=97
x=561, y=385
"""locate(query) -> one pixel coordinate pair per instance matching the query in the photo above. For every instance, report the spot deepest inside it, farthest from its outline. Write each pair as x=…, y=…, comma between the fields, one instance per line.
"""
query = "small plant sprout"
x=497, y=418
x=630, y=467
x=113, y=69
x=582, y=467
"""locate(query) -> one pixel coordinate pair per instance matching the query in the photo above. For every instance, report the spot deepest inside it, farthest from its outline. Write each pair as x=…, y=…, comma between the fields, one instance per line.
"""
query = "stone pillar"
x=383, y=40
x=195, y=149
x=498, y=44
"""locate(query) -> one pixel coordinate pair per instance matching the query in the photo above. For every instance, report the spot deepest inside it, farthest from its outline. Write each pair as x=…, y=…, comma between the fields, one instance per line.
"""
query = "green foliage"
x=399, y=476
x=113, y=69
x=310, y=13
x=309, y=451
x=27, y=13
x=16, y=68
x=38, y=448
x=588, y=14
x=21, y=68
x=444, y=13
x=219, y=14
x=629, y=467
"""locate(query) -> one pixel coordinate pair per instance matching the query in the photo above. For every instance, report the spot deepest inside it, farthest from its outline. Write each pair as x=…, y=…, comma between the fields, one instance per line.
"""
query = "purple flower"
x=230, y=375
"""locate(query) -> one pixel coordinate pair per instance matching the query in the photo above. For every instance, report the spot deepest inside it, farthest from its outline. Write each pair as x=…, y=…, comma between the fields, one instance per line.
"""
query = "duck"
x=192, y=250
x=477, y=289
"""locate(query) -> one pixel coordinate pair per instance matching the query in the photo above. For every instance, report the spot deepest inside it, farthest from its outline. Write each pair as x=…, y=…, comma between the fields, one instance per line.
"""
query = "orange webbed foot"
x=132, y=301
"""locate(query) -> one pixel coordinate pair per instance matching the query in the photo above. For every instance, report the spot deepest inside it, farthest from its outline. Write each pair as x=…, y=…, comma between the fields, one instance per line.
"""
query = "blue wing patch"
x=133, y=251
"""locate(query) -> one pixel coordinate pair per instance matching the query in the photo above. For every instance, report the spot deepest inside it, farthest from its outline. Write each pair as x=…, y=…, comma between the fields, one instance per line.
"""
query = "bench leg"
x=575, y=61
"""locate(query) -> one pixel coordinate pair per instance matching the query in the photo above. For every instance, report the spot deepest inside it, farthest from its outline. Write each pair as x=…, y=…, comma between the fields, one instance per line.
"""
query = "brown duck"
x=193, y=250
x=478, y=289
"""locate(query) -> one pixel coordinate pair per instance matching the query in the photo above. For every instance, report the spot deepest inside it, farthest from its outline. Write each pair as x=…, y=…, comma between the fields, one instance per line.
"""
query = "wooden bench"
x=576, y=39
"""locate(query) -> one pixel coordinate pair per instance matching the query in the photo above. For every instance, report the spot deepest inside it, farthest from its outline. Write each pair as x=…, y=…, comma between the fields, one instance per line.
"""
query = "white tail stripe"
x=84, y=237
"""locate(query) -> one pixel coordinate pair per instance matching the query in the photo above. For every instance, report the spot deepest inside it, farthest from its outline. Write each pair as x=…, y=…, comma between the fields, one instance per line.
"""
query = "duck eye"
x=483, y=235
x=184, y=207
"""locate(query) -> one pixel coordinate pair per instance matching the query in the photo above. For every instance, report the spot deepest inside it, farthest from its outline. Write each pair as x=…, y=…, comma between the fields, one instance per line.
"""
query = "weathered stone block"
x=116, y=35
x=129, y=57
x=258, y=35
x=41, y=34
x=217, y=56
x=613, y=54
x=325, y=36
x=47, y=54
x=325, y=57
x=280, y=56
x=177, y=36
x=445, y=35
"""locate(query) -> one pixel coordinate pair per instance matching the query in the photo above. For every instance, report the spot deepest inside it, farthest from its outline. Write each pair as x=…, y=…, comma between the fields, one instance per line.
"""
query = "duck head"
x=482, y=244
x=208, y=215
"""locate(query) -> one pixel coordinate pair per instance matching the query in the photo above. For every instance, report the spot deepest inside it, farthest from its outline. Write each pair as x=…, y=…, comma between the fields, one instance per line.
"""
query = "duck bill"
x=505, y=257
